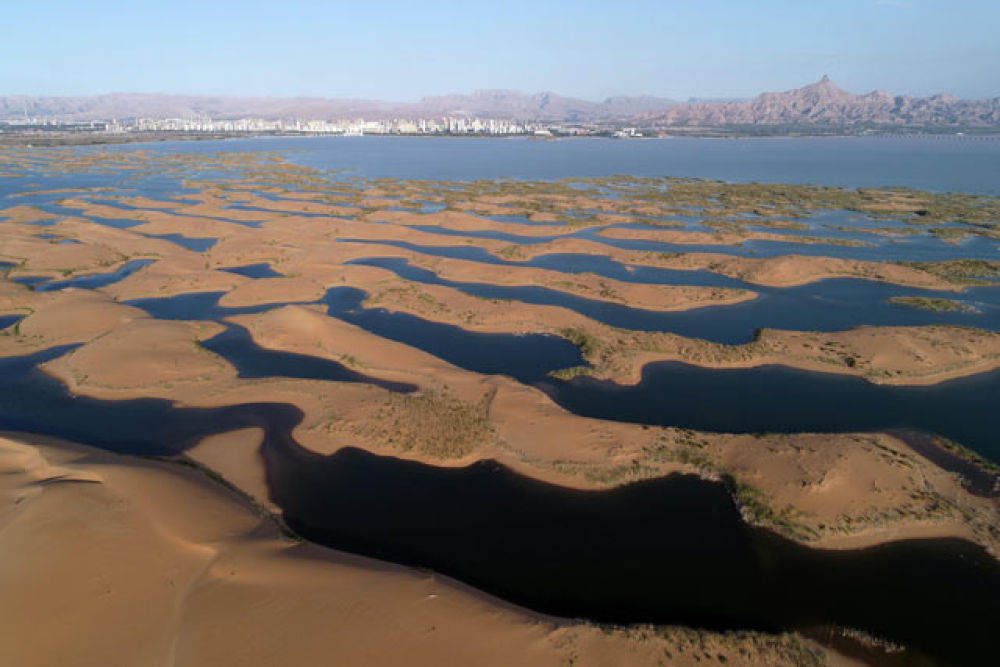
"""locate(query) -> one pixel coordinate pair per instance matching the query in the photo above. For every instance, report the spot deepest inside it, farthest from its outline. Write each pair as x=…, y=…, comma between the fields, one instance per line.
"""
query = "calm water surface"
x=756, y=400
x=262, y=270
x=827, y=305
x=672, y=550
x=924, y=163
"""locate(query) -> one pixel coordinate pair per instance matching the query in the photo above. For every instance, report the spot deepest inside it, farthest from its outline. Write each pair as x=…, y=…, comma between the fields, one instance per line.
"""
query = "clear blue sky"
x=396, y=50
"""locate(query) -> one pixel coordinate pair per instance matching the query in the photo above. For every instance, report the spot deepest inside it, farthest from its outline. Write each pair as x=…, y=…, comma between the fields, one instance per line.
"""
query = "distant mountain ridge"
x=509, y=104
x=821, y=104
x=824, y=104
x=501, y=104
x=156, y=105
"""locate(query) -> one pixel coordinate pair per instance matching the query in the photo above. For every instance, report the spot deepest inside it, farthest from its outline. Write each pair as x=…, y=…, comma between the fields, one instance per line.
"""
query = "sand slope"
x=106, y=560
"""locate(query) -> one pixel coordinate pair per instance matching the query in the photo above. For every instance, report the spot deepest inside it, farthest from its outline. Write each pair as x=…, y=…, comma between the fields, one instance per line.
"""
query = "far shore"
x=57, y=138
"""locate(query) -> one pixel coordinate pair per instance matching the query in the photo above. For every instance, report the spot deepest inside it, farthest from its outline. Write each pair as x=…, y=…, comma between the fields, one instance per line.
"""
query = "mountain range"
x=821, y=104
x=500, y=104
x=824, y=104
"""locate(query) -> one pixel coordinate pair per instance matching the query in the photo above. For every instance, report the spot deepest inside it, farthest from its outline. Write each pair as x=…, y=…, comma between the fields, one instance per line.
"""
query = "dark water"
x=672, y=550
x=155, y=187
x=630, y=273
x=254, y=224
x=571, y=263
x=756, y=400
x=875, y=248
x=9, y=320
x=830, y=227
x=916, y=249
x=666, y=551
x=92, y=280
x=253, y=361
x=522, y=357
x=827, y=305
x=195, y=244
x=197, y=306
x=34, y=402
x=278, y=213
x=517, y=219
x=167, y=205
x=786, y=400
x=30, y=281
x=975, y=479
x=253, y=271
x=586, y=263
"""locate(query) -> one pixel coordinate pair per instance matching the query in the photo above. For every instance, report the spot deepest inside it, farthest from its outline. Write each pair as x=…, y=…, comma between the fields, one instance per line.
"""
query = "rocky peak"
x=823, y=90
x=823, y=103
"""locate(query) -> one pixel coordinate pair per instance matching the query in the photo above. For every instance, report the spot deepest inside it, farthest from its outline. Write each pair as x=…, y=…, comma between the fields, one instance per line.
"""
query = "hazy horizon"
x=475, y=91
x=718, y=49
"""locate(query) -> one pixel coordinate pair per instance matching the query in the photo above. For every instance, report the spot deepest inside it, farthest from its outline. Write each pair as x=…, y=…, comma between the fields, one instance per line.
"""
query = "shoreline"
x=298, y=575
x=83, y=138
x=332, y=386
x=533, y=411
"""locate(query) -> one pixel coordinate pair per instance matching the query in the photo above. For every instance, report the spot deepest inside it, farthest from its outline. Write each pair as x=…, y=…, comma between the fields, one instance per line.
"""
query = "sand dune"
x=106, y=560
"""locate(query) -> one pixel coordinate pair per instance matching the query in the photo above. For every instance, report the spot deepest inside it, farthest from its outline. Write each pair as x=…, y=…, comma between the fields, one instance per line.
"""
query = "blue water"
x=826, y=305
x=236, y=346
x=777, y=398
x=30, y=281
x=278, y=213
x=91, y=280
x=392, y=509
x=195, y=306
x=517, y=220
x=523, y=357
x=9, y=320
x=253, y=271
x=670, y=551
x=927, y=163
x=877, y=248
x=764, y=399
x=194, y=244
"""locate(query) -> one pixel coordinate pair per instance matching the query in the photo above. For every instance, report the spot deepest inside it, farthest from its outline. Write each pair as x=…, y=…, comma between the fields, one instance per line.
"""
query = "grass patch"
x=570, y=373
x=960, y=271
x=434, y=422
x=754, y=504
x=588, y=343
x=967, y=454
x=756, y=509
x=933, y=304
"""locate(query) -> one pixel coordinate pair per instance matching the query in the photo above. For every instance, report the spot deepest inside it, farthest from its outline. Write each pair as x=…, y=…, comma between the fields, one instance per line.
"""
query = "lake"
x=671, y=550
x=926, y=163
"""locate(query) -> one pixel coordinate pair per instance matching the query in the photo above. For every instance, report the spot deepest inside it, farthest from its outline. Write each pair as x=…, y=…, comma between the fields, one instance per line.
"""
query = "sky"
x=403, y=50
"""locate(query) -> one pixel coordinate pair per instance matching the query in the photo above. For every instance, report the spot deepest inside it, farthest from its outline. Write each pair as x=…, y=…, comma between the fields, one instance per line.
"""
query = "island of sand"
x=162, y=550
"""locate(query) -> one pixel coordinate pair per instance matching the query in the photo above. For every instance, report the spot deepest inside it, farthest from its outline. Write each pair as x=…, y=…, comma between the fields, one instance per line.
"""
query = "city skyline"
x=821, y=107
